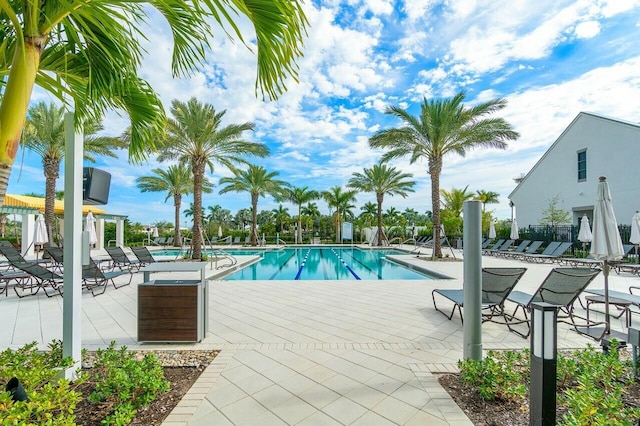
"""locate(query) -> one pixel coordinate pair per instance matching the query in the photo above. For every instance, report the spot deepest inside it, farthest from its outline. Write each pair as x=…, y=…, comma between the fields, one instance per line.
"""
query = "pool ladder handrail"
x=220, y=254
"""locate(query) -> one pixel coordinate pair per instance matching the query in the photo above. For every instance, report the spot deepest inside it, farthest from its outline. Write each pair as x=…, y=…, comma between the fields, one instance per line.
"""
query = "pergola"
x=29, y=207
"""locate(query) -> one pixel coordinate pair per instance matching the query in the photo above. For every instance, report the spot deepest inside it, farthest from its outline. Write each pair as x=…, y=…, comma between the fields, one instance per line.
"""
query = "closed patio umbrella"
x=606, y=244
x=219, y=231
x=40, y=236
x=584, y=234
x=90, y=226
x=155, y=232
x=635, y=233
x=492, y=230
x=515, y=234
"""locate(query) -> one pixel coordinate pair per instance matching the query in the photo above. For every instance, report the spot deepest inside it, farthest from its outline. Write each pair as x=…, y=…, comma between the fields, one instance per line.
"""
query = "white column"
x=120, y=233
x=72, y=303
x=100, y=232
x=28, y=228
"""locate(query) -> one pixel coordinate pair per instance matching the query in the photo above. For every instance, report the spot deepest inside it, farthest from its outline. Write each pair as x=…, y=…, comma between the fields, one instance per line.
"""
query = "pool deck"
x=306, y=352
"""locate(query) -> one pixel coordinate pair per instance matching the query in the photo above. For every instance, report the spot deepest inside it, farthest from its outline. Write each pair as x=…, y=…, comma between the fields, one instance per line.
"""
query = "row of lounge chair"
x=561, y=287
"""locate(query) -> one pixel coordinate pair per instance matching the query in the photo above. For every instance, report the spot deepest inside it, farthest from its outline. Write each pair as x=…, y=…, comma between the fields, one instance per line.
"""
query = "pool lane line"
x=345, y=265
x=304, y=262
x=364, y=265
x=281, y=266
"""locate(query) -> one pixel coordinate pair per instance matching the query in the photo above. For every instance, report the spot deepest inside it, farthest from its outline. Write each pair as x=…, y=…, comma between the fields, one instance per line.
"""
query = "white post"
x=120, y=233
x=472, y=286
x=100, y=233
x=72, y=298
x=28, y=228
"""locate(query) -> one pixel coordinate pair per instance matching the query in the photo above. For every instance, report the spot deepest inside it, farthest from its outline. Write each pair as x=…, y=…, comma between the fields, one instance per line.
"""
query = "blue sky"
x=550, y=59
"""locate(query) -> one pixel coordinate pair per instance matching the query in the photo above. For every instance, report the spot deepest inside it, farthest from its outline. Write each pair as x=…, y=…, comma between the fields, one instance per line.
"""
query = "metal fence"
x=548, y=233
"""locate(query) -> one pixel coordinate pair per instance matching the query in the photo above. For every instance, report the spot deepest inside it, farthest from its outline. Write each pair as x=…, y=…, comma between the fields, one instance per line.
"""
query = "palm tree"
x=176, y=181
x=218, y=215
x=454, y=200
x=195, y=137
x=299, y=196
x=382, y=180
x=87, y=54
x=341, y=201
x=487, y=197
x=369, y=212
x=258, y=182
x=45, y=135
x=444, y=126
x=281, y=216
x=311, y=212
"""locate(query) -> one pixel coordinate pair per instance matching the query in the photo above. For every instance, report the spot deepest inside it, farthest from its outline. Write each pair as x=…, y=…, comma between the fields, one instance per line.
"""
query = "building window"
x=582, y=166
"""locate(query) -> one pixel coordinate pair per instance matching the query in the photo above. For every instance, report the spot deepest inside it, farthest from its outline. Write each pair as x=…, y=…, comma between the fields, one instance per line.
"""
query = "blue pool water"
x=326, y=263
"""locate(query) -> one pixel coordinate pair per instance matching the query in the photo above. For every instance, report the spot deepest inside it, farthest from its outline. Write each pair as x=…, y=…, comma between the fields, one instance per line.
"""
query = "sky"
x=550, y=59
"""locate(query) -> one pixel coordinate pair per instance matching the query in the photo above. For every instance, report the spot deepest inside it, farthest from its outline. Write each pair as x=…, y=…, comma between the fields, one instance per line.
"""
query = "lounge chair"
x=561, y=287
x=236, y=240
x=555, y=256
x=120, y=260
x=94, y=278
x=42, y=278
x=495, y=246
x=486, y=243
x=13, y=256
x=56, y=254
x=520, y=249
x=548, y=251
x=168, y=242
x=159, y=241
x=22, y=281
x=497, y=283
x=144, y=255
x=502, y=248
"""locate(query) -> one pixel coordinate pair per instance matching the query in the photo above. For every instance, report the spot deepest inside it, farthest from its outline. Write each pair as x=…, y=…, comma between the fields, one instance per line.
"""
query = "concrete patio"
x=306, y=352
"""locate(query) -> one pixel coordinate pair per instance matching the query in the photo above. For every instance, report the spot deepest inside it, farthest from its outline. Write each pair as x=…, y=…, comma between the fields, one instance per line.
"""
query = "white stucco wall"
x=613, y=150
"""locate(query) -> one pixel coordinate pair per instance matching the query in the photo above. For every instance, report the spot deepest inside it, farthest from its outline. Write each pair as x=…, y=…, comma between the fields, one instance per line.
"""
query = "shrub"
x=126, y=383
x=499, y=375
x=52, y=400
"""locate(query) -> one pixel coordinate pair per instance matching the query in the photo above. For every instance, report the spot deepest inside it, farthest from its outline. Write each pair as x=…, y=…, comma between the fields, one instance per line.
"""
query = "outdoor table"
x=624, y=306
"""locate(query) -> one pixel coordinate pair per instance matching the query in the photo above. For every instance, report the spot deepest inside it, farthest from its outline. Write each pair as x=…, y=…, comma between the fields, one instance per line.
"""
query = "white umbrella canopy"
x=515, y=234
x=584, y=234
x=155, y=232
x=606, y=244
x=635, y=232
x=492, y=230
x=90, y=226
x=40, y=233
x=219, y=231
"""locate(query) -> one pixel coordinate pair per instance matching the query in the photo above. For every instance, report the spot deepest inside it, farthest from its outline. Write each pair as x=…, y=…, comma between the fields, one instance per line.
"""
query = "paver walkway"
x=305, y=352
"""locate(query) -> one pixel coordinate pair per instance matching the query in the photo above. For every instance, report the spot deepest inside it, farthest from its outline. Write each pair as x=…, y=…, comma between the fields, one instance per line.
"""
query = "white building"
x=590, y=147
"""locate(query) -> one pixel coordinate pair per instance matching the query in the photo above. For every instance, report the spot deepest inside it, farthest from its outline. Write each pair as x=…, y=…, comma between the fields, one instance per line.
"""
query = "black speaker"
x=95, y=186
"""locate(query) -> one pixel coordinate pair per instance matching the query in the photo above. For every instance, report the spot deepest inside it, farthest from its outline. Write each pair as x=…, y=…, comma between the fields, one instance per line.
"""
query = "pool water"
x=326, y=263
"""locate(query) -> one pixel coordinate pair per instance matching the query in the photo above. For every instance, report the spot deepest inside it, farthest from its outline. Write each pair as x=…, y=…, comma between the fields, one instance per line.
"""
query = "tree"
x=281, y=217
x=454, y=200
x=411, y=215
x=44, y=134
x=88, y=53
x=218, y=216
x=444, y=126
x=176, y=181
x=341, y=201
x=258, y=182
x=311, y=213
x=553, y=215
x=369, y=213
x=487, y=197
x=242, y=217
x=195, y=137
x=382, y=180
x=299, y=196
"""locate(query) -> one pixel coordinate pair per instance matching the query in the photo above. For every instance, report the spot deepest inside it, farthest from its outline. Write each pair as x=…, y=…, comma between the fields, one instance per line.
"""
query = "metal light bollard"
x=544, y=363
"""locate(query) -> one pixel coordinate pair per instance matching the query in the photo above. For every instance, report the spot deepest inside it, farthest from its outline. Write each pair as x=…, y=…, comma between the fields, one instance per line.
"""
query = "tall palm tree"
x=176, y=181
x=382, y=180
x=299, y=196
x=487, y=197
x=196, y=137
x=454, y=200
x=341, y=201
x=87, y=53
x=311, y=212
x=45, y=135
x=444, y=126
x=281, y=216
x=258, y=182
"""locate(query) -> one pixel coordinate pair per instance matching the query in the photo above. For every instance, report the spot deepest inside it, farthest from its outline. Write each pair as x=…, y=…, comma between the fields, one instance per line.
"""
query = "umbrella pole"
x=606, y=298
x=637, y=257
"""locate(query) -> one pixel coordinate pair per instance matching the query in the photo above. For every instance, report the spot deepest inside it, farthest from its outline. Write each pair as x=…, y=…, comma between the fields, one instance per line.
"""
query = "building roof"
x=565, y=131
x=37, y=203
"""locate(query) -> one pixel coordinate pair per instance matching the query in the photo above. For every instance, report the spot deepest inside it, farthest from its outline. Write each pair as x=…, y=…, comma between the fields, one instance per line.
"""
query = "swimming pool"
x=326, y=263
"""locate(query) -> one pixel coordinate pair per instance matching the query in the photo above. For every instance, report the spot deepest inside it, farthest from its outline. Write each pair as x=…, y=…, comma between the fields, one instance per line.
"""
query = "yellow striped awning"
x=38, y=203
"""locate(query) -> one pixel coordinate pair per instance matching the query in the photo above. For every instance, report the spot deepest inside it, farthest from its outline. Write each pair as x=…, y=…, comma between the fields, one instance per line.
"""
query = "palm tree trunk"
x=379, y=199
x=254, y=219
x=198, y=176
x=15, y=102
x=51, y=173
x=338, y=223
x=177, y=202
x=299, y=223
x=435, y=168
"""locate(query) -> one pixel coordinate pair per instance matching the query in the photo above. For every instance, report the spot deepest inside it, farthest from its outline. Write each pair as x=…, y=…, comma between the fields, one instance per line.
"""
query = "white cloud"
x=587, y=29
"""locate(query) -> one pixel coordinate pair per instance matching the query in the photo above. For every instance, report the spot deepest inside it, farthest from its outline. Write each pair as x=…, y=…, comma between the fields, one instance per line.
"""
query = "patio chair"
x=120, y=260
x=158, y=241
x=22, y=281
x=503, y=248
x=486, y=243
x=497, y=283
x=561, y=287
x=236, y=240
x=42, y=278
x=169, y=242
x=520, y=249
x=94, y=278
x=56, y=254
x=144, y=256
x=13, y=256
x=495, y=246
x=548, y=251
x=553, y=257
